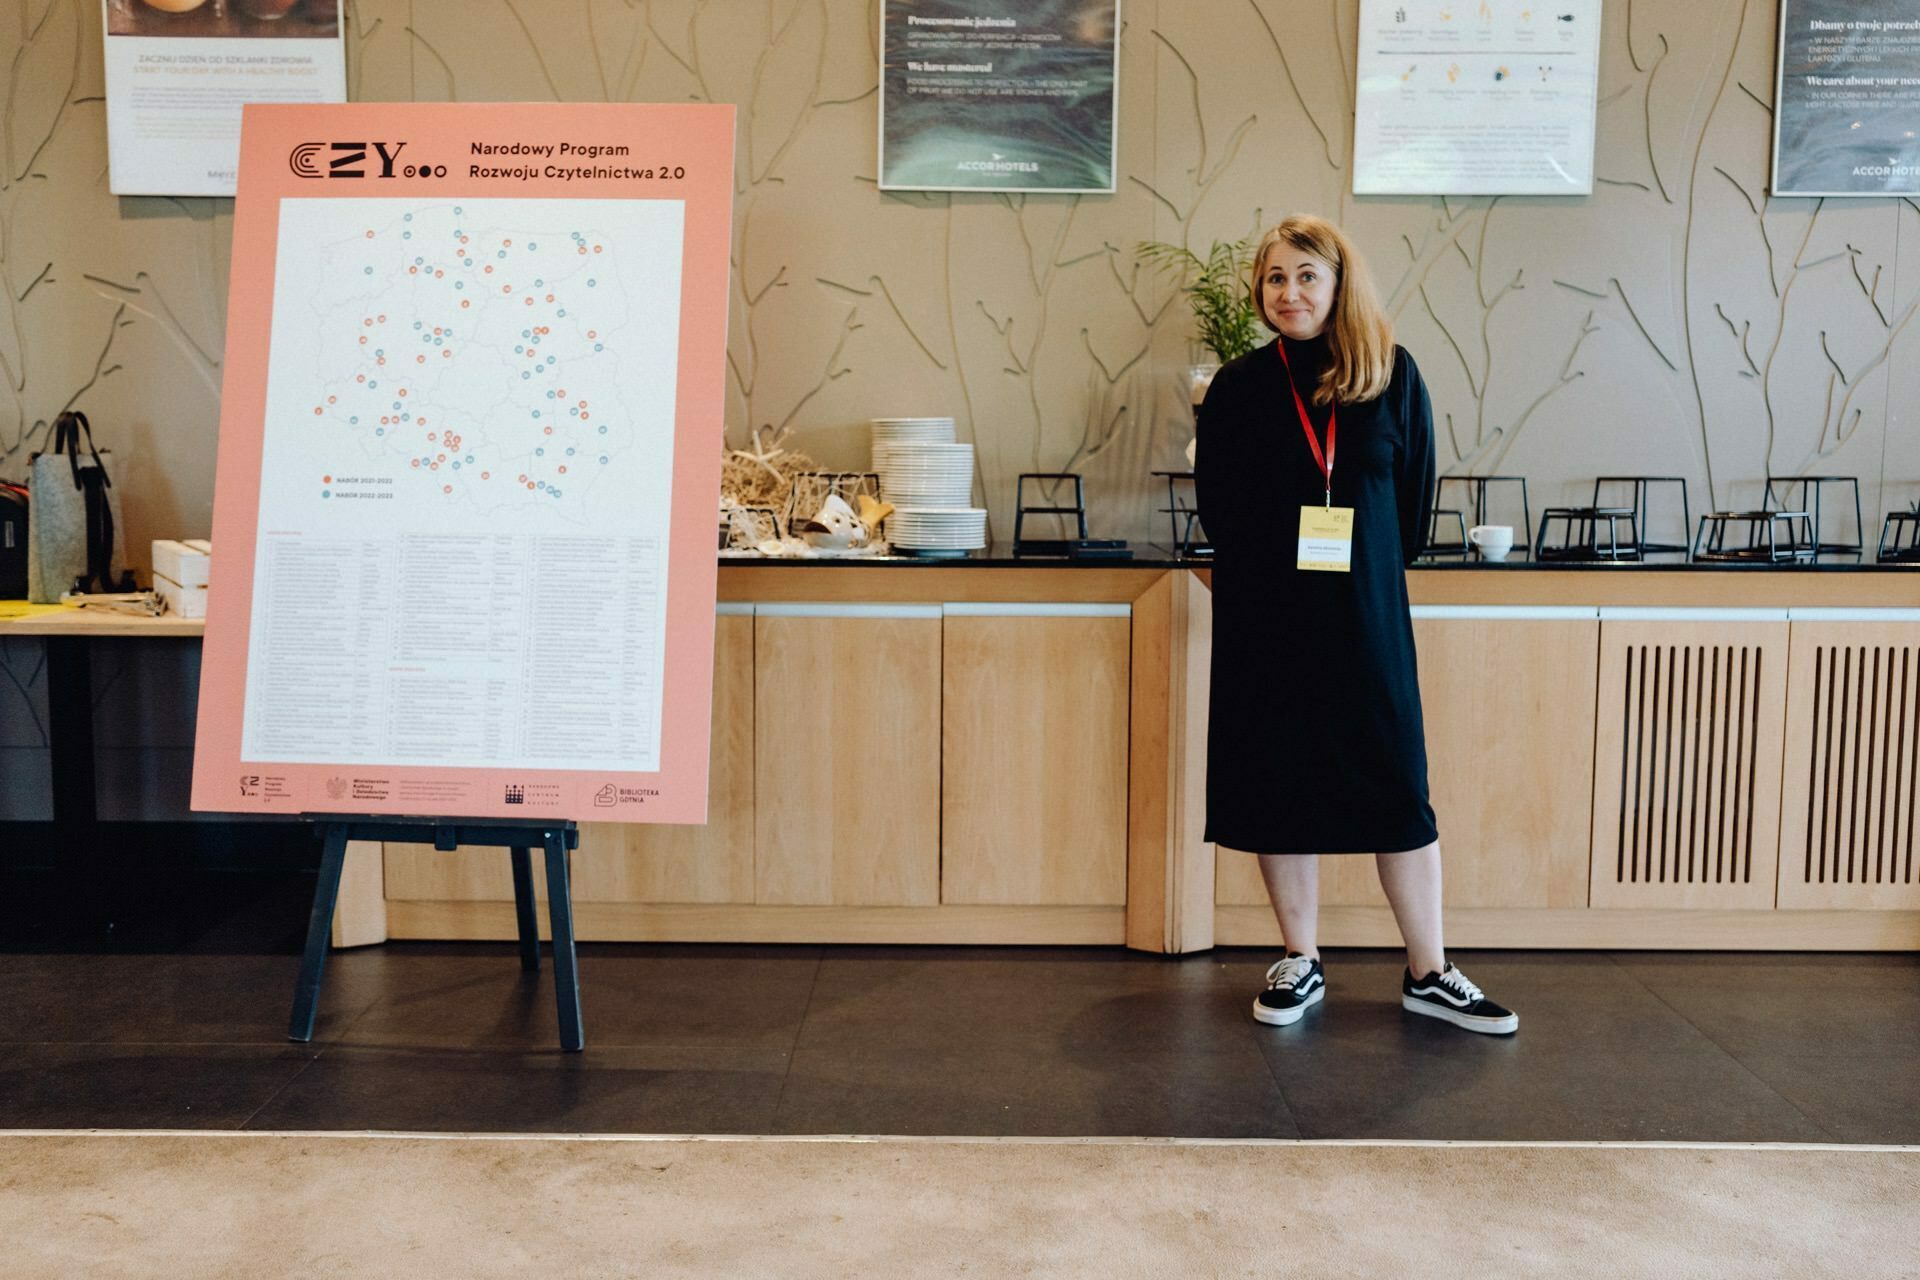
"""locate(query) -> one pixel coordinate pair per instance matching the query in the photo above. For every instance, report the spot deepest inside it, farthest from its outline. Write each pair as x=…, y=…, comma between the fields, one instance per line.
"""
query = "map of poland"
x=466, y=483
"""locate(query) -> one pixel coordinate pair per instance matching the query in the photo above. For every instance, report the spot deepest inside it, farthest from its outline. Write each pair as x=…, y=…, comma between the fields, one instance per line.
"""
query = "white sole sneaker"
x=1286, y=1017
x=1485, y=1026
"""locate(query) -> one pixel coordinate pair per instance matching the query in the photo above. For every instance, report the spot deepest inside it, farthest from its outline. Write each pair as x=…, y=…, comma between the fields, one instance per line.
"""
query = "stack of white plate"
x=926, y=475
x=929, y=480
x=929, y=531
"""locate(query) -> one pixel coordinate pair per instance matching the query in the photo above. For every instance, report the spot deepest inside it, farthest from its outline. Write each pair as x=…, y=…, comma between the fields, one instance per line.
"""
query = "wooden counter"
x=1002, y=753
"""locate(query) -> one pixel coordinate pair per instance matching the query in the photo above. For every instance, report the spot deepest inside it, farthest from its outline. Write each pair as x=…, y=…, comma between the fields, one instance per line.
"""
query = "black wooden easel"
x=446, y=835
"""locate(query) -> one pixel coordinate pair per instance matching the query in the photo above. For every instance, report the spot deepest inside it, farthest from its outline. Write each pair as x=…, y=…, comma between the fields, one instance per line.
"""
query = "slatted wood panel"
x=1509, y=709
x=1852, y=779
x=1687, y=764
x=1034, y=763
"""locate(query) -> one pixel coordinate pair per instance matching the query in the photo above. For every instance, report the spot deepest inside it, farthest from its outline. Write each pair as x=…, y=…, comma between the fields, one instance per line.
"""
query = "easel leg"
x=566, y=976
x=326, y=893
x=523, y=910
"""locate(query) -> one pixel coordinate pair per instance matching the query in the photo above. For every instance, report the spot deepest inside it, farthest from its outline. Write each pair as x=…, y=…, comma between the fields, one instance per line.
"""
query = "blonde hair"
x=1359, y=335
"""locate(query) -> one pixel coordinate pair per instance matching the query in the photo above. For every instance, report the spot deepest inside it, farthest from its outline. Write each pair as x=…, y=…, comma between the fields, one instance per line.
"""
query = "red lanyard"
x=1322, y=460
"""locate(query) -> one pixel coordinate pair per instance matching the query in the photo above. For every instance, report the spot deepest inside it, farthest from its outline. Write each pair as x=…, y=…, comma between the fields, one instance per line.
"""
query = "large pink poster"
x=469, y=456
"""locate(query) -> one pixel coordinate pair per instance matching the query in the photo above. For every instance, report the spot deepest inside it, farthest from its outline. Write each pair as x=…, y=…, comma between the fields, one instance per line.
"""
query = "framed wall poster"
x=178, y=72
x=999, y=95
x=469, y=454
x=1847, y=99
x=1476, y=97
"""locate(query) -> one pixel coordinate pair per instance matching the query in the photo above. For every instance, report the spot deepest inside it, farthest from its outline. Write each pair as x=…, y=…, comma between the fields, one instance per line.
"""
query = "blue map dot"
x=532, y=245
x=456, y=466
x=562, y=311
x=603, y=431
x=539, y=453
x=569, y=452
x=518, y=349
x=372, y=385
x=418, y=261
x=501, y=254
x=406, y=235
x=603, y=457
x=598, y=347
x=326, y=493
x=469, y=457
x=457, y=209
x=379, y=431
x=525, y=376
x=550, y=359
x=369, y=270
x=408, y=218
x=543, y=484
x=418, y=324
x=459, y=284
x=354, y=421
x=574, y=412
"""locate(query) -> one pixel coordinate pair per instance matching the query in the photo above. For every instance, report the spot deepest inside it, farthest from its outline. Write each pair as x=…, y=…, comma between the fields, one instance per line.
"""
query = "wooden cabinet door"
x=847, y=755
x=632, y=862
x=1508, y=699
x=1034, y=755
x=658, y=862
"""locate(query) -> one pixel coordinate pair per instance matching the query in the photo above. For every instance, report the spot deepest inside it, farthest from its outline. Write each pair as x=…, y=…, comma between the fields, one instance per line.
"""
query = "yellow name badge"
x=1326, y=539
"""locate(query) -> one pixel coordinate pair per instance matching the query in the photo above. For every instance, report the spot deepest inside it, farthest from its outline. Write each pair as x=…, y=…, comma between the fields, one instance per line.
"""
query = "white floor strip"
x=927, y=1140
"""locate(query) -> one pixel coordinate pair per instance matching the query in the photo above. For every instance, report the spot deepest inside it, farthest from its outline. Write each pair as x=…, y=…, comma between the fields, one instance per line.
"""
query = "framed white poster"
x=1476, y=97
x=178, y=72
x=999, y=95
x=1847, y=99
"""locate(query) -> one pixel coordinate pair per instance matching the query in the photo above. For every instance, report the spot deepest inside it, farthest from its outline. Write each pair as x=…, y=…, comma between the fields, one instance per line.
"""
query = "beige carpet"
x=246, y=1205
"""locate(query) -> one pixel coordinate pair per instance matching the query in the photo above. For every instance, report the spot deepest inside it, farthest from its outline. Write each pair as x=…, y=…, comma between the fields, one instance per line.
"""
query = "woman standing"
x=1314, y=475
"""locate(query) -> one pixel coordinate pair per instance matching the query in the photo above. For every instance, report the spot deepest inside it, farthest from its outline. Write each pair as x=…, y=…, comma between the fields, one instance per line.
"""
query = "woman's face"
x=1296, y=292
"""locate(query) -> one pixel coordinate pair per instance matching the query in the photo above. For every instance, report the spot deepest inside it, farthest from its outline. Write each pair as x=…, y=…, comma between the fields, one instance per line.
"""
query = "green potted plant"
x=1216, y=287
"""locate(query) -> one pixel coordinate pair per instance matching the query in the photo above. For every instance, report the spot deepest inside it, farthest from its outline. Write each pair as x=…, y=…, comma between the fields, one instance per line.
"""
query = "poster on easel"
x=999, y=95
x=179, y=71
x=1476, y=97
x=1847, y=99
x=469, y=453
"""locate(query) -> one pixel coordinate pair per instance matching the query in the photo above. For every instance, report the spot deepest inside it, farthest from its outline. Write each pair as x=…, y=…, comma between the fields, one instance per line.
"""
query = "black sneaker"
x=1452, y=998
x=1293, y=984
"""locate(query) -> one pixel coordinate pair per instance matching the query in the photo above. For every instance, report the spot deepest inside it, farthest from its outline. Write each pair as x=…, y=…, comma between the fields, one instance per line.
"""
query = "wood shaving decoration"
x=762, y=474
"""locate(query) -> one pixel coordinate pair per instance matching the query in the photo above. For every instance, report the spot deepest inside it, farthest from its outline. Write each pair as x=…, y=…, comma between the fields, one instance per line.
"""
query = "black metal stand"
x=1182, y=517
x=1025, y=546
x=446, y=835
x=1642, y=522
x=1812, y=487
x=1477, y=490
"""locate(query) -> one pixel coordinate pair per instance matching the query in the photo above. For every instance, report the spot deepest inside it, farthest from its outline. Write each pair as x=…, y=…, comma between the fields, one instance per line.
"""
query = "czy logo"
x=344, y=159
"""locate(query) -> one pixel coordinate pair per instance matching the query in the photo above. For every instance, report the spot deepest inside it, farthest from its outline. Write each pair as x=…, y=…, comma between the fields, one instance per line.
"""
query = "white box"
x=182, y=602
x=183, y=563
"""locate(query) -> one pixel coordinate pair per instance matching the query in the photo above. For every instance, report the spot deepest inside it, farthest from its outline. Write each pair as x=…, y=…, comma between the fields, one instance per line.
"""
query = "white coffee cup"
x=1494, y=540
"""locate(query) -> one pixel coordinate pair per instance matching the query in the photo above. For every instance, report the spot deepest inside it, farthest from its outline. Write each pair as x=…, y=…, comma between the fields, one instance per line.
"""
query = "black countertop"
x=1147, y=555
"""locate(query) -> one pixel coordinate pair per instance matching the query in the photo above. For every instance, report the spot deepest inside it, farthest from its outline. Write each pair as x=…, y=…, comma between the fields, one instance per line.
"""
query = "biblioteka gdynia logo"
x=357, y=160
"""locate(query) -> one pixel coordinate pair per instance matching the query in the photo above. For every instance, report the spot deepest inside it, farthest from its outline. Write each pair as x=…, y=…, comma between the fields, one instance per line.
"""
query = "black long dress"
x=1315, y=742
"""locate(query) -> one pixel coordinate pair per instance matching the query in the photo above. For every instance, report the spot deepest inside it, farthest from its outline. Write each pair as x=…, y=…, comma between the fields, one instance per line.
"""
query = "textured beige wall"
x=1675, y=322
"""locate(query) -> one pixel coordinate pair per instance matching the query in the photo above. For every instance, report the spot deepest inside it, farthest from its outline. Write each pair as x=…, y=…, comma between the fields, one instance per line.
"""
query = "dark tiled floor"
x=962, y=1041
